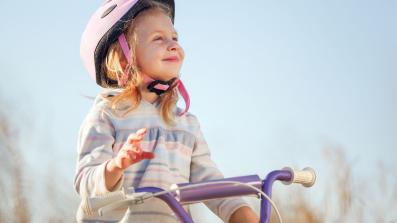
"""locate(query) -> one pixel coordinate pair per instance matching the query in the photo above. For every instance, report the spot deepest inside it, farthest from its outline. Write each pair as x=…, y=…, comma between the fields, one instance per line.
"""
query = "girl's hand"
x=244, y=215
x=132, y=152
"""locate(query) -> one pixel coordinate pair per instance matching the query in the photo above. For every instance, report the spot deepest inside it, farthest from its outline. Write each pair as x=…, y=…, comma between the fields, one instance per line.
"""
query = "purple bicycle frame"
x=216, y=191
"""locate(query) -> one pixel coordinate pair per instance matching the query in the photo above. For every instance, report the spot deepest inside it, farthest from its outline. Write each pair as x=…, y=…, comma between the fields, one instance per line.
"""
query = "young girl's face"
x=158, y=53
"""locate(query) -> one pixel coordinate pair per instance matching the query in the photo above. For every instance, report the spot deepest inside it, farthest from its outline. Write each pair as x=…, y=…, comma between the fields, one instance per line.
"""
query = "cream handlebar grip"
x=90, y=205
x=306, y=177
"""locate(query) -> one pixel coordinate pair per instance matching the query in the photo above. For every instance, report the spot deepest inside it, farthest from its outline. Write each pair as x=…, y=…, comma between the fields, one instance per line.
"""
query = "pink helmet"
x=104, y=28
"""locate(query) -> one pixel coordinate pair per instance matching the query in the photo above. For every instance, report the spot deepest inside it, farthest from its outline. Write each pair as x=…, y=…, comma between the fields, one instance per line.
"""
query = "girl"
x=134, y=135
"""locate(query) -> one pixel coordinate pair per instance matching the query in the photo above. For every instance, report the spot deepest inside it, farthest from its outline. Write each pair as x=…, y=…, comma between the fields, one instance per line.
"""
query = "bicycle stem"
x=282, y=175
x=171, y=202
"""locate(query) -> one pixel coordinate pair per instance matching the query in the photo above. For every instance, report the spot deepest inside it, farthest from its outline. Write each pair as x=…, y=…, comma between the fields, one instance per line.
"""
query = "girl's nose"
x=173, y=45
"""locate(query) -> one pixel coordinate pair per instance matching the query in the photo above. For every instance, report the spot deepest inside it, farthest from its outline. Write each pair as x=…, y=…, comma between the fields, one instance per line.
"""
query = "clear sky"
x=273, y=83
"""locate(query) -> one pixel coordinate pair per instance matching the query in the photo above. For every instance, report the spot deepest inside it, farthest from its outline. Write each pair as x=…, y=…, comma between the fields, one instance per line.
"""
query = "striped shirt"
x=181, y=155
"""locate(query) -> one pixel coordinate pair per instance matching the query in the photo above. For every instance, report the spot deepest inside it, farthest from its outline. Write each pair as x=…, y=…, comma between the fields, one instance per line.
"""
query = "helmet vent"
x=109, y=10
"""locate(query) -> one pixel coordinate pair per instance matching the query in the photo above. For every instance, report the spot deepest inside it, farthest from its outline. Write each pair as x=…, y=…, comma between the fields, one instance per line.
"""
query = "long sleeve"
x=203, y=168
x=95, y=141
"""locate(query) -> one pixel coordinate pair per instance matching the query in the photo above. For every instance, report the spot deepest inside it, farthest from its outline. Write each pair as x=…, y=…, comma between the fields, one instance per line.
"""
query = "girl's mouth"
x=172, y=59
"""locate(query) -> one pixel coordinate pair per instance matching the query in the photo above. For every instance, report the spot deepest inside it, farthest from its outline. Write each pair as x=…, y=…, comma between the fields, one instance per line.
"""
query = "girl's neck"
x=149, y=96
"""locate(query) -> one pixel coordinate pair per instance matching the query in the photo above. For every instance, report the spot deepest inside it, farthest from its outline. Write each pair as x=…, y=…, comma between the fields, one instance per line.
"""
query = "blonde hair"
x=112, y=67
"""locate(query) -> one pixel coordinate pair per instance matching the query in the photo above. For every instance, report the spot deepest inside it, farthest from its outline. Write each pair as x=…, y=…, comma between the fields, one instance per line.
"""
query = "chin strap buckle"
x=159, y=87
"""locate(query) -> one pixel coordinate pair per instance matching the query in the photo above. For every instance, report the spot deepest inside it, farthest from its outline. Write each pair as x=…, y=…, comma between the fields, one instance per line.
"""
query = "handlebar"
x=305, y=177
x=187, y=193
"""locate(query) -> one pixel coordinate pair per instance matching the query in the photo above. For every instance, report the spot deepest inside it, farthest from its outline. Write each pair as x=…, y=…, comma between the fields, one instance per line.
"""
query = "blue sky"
x=272, y=82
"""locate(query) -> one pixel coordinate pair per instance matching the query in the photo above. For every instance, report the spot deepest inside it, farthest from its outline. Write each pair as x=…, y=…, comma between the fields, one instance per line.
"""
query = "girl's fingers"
x=135, y=143
x=132, y=156
x=123, y=153
x=141, y=131
x=137, y=137
x=134, y=138
x=132, y=152
x=147, y=155
x=136, y=157
x=139, y=134
x=136, y=149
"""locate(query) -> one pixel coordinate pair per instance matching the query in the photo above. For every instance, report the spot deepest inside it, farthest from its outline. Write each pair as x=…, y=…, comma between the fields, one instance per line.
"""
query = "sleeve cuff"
x=102, y=185
x=228, y=208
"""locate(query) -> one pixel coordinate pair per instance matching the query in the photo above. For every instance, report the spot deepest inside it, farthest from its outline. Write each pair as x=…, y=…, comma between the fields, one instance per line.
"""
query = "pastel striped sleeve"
x=95, y=141
x=203, y=168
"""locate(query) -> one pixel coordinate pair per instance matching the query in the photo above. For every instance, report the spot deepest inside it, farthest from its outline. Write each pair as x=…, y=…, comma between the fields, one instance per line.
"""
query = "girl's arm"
x=204, y=168
x=95, y=142
x=97, y=171
x=129, y=154
x=112, y=175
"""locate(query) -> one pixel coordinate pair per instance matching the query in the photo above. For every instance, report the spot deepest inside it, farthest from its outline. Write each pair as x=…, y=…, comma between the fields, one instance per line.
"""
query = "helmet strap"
x=160, y=87
x=123, y=78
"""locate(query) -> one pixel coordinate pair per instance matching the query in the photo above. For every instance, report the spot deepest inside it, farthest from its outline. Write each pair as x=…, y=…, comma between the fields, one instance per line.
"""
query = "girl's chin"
x=164, y=77
x=169, y=75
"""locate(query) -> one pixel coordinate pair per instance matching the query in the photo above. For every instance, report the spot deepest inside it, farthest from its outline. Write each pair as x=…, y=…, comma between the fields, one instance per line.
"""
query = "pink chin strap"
x=124, y=78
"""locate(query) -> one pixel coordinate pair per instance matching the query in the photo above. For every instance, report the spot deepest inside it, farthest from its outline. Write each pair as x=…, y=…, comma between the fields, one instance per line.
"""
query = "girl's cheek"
x=182, y=53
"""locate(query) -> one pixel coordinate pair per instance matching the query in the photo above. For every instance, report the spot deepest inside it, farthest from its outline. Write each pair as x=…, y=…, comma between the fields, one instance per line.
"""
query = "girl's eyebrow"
x=161, y=31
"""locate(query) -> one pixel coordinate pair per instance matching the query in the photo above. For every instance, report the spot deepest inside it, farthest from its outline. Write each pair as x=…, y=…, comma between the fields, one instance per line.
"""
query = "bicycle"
x=189, y=193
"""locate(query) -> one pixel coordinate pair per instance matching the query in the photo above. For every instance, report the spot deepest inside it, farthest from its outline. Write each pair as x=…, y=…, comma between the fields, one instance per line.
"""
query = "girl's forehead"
x=154, y=22
x=158, y=29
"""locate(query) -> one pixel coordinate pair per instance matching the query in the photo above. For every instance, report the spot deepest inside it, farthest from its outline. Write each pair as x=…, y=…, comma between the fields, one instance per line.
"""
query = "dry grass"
x=12, y=175
x=345, y=198
x=17, y=197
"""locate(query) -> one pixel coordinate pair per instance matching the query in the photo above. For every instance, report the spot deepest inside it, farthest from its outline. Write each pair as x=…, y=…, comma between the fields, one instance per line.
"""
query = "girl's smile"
x=172, y=59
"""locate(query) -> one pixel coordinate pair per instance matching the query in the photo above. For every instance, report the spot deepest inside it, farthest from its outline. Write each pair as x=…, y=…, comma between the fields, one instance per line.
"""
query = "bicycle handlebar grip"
x=91, y=204
x=306, y=177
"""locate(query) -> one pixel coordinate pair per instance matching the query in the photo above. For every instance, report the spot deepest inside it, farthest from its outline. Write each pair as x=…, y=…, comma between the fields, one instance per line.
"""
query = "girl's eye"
x=161, y=38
